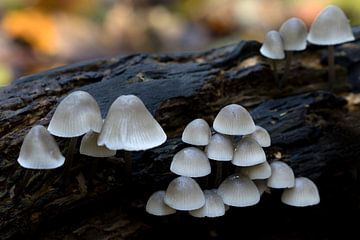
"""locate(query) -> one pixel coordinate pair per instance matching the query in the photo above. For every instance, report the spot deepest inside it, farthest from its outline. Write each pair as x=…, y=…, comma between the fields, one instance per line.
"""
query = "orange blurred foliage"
x=32, y=26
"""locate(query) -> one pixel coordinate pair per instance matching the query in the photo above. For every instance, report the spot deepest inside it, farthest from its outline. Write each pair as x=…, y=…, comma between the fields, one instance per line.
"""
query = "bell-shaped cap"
x=261, y=136
x=272, y=46
x=156, y=206
x=259, y=171
x=330, y=27
x=293, y=33
x=282, y=176
x=248, y=153
x=184, y=193
x=214, y=206
x=239, y=191
x=76, y=114
x=197, y=133
x=190, y=162
x=90, y=148
x=40, y=150
x=304, y=193
x=234, y=119
x=130, y=126
x=220, y=148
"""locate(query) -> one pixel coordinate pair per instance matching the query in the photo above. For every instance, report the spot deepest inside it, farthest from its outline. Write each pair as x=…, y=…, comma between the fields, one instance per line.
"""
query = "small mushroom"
x=234, y=119
x=239, y=191
x=190, y=162
x=259, y=171
x=156, y=206
x=304, y=193
x=273, y=49
x=282, y=176
x=214, y=206
x=197, y=133
x=248, y=153
x=261, y=186
x=40, y=150
x=261, y=136
x=293, y=33
x=330, y=27
x=89, y=147
x=184, y=193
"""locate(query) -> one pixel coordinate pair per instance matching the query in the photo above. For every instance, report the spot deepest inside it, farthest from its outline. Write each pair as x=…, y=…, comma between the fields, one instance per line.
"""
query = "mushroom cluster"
x=253, y=174
x=330, y=27
x=128, y=126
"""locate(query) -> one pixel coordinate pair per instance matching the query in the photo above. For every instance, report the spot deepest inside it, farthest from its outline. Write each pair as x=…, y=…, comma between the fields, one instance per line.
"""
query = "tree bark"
x=316, y=132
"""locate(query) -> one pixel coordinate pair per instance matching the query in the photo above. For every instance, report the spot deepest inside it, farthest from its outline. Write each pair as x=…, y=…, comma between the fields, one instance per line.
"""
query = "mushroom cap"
x=259, y=171
x=261, y=136
x=40, y=150
x=190, y=162
x=239, y=191
x=272, y=46
x=184, y=193
x=220, y=148
x=130, y=126
x=156, y=206
x=76, y=114
x=304, y=193
x=197, y=133
x=90, y=148
x=261, y=186
x=293, y=33
x=282, y=176
x=248, y=153
x=330, y=27
x=234, y=119
x=214, y=206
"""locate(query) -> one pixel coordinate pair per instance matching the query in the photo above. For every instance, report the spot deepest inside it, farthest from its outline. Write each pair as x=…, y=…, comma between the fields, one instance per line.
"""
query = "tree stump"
x=314, y=130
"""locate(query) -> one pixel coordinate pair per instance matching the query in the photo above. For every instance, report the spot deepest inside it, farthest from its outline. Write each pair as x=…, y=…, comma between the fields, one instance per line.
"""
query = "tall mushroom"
x=330, y=27
x=273, y=48
x=293, y=33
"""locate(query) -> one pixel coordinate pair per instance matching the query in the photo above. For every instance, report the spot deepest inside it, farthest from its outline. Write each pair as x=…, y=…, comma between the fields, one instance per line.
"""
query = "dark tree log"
x=315, y=131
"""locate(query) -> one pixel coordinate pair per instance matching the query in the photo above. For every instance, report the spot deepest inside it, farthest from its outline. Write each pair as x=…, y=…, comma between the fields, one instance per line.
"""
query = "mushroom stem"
x=289, y=56
x=69, y=159
x=219, y=170
x=128, y=163
x=331, y=65
x=274, y=68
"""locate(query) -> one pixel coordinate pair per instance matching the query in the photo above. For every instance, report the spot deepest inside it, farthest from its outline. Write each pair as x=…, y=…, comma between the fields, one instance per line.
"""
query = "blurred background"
x=40, y=34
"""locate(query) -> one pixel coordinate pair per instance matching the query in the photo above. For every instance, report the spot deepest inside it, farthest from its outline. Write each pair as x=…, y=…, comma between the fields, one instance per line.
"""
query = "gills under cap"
x=156, y=206
x=272, y=46
x=234, y=119
x=190, y=162
x=330, y=27
x=293, y=33
x=197, y=133
x=304, y=193
x=39, y=150
x=184, y=193
x=76, y=114
x=130, y=126
x=90, y=148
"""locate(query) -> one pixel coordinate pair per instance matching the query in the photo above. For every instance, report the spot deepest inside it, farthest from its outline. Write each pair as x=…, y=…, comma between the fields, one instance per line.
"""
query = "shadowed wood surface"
x=314, y=130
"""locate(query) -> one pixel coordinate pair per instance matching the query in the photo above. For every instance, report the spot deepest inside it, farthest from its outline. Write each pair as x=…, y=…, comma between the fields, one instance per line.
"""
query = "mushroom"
x=234, y=119
x=273, y=48
x=40, y=150
x=282, y=176
x=220, y=149
x=259, y=171
x=261, y=136
x=293, y=33
x=261, y=186
x=330, y=27
x=248, y=153
x=304, y=193
x=184, y=193
x=156, y=206
x=190, y=162
x=239, y=191
x=130, y=126
x=197, y=133
x=89, y=147
x=214, y=206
